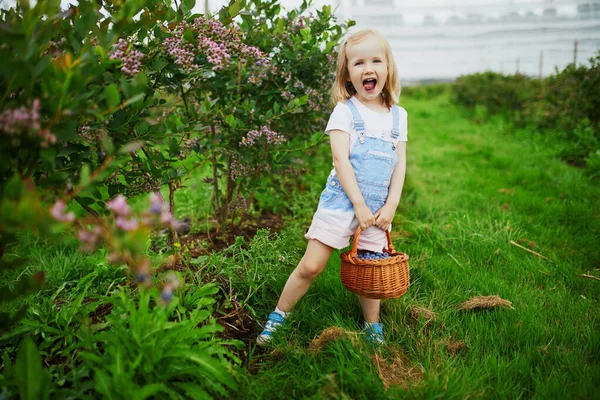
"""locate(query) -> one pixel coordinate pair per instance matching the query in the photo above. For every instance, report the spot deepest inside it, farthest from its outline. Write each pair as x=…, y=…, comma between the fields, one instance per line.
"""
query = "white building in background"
x=589, y=9
x=376, y=13
x=434, y=39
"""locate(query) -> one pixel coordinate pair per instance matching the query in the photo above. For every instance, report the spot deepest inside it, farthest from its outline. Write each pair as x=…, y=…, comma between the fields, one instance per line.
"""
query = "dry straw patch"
x=397, y=371
x=455, y=347
x=331, y=334
x=485, y=302
x=421, y=312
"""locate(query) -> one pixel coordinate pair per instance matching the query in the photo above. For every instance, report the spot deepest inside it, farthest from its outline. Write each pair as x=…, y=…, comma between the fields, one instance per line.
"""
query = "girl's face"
x=367, y=69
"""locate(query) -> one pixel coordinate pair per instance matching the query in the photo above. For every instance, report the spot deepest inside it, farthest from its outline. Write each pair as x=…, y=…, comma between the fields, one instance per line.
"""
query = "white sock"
x=369, y=324
x=282, y=313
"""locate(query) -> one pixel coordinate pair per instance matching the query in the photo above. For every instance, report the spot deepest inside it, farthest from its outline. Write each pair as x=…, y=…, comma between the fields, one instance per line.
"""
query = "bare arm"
x=385, y=215
x=340, y=149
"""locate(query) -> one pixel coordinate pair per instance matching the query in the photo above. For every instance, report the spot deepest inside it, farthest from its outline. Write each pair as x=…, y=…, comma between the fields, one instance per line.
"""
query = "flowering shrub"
x=256, y=94
x=90, y=95
x=211, y=40
x=23, y=124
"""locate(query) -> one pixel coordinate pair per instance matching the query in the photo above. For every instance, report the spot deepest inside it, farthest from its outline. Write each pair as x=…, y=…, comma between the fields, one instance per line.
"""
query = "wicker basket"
x=385, y=278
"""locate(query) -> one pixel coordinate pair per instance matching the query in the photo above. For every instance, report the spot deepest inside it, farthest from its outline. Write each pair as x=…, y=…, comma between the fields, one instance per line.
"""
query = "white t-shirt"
x=376, y=125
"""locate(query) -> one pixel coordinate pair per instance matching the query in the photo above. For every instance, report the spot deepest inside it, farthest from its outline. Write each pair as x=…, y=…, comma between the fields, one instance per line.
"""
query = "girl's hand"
x=384, y=216
x=364, y=216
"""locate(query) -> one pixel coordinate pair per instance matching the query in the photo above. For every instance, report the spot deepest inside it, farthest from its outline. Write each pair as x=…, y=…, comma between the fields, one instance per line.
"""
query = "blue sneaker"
x=275, y=321
x=374, y=333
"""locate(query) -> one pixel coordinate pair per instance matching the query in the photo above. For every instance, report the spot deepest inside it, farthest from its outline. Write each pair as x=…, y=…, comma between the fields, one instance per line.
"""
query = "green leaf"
x=84, y=175
x=231, y=121
x=193, y=390
x=189, y=36
x=300, y=101
x=107, y=144
x=88, y=201
x=151, y=390
x=305, y=32
x=234, y=9
x=8, y=367
x=96, y=193
x=103, y=383
x=142, y=128
x=48, y=155
x=316, y=137
x=31, y=378
x=211, y=366
x=111, y=93
x=41, y=66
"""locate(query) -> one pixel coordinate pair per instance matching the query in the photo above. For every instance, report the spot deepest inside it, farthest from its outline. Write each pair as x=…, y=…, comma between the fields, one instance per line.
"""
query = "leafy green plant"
x=26, y=377
x=498, y=93
x=570, y=97
x=564, y=106
x=253, y=92
x=579, y=143
x=59, y=321
x=593, y=165
x=146, y=353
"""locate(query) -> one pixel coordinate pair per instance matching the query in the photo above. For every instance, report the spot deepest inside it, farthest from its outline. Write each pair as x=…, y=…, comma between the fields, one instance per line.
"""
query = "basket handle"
x=354, y=250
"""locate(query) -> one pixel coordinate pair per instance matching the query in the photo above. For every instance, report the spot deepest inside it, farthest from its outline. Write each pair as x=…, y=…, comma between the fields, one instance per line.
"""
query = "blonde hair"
x=343, y=89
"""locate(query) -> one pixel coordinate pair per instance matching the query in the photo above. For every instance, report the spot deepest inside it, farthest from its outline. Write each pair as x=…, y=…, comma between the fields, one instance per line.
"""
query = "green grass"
x=471, y=189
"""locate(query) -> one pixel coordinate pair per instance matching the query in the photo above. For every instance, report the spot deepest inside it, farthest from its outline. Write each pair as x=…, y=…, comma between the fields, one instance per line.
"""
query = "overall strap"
x=396, y=126
x=359, y=124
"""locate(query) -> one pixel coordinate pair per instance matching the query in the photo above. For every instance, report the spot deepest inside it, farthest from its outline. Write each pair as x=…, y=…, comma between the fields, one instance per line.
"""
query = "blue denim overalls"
x=373, y=160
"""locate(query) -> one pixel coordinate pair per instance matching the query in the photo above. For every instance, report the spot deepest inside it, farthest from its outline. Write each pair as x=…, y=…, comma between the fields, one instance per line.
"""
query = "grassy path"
x=471, y=189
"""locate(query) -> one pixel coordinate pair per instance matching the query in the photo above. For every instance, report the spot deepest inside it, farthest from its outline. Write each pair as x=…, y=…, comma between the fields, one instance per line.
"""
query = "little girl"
x=368, y=135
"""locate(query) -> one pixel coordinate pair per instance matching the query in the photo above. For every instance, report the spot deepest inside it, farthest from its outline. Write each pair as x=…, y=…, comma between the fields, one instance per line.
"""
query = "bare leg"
x=312, y=264
x=370, y=308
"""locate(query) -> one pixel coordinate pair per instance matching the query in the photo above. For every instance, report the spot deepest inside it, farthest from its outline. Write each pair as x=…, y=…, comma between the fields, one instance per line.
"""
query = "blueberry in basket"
x=371, y=255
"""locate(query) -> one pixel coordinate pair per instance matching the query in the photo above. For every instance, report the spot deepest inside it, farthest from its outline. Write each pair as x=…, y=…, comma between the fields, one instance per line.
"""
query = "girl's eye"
x=377, y=61
x=358, y=63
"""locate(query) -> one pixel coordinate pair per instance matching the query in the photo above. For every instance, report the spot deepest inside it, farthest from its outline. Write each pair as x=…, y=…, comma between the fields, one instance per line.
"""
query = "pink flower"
x=166, y=218
x=119, y=206
x=89, y=239
x=270, y=136
x=25, y=122
x=125, y=224
x=113, y=258
x=57, y=211
x=171, y=285
x=131, y=58
x=157, y=204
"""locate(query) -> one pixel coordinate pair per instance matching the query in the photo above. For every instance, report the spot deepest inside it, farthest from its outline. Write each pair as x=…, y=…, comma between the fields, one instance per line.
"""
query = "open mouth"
x=369, y=84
